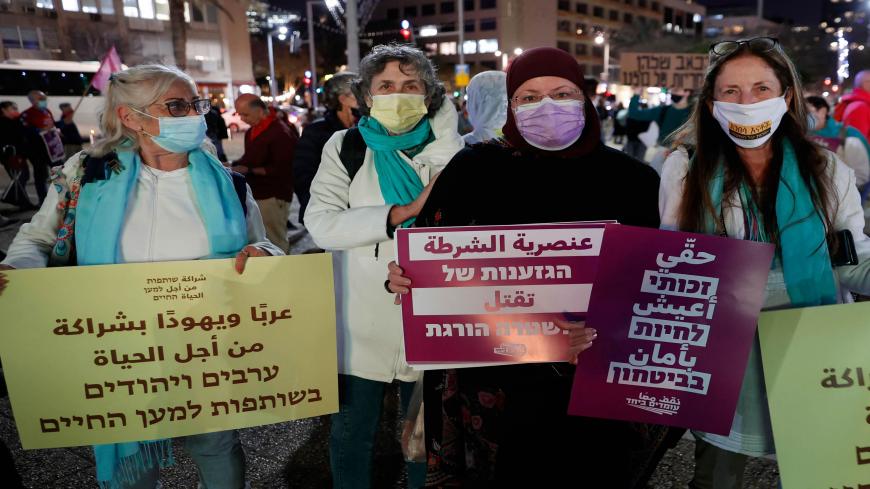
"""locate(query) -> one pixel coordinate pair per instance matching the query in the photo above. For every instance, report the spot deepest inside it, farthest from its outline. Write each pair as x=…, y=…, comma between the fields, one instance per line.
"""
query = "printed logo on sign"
x=663, y=405
x=740, y=131
x=510, y=349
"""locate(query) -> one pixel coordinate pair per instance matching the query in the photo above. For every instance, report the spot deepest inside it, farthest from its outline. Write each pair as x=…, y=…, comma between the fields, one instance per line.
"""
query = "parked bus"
x=62, y=81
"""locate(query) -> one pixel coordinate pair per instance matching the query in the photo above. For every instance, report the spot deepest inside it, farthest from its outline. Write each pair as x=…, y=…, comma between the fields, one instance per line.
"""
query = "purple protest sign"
x=489, y=294
x=676, y=316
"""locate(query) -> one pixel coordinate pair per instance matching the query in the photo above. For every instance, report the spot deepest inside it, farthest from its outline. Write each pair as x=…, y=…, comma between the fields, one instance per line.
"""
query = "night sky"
x=799, y=11
x=807, y=11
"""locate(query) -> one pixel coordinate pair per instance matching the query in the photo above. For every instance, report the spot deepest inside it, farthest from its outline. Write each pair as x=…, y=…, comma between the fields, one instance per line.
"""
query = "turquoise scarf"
x=806, y=265
x=101, y=209
x=400, y=184
x=832, y=130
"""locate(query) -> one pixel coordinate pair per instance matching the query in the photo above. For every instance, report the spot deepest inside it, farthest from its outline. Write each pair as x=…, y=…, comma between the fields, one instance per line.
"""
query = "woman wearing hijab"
x=487, y=106
x=755, y=174
x=507, y=426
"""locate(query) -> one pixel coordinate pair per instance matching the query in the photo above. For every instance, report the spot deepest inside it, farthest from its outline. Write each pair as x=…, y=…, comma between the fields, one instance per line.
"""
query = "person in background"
x=854, y=108
x=216, y=131
x=634, y=147
x=619, y=118
x=341, y=113
x=405, y=137
x=774, y=186
x=487, y=106
x=153, y=134
x=44, y=145
x=669, y=118
x=507, y=426
x=13, y=156
x=846, y=141
x=69, y=132
x=464, y=125
x=268, y=165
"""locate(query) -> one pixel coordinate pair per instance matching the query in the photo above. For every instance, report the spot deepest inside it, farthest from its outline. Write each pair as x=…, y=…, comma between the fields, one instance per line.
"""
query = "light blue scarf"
x=400, y=184
x=101, y=208
x=806, y=264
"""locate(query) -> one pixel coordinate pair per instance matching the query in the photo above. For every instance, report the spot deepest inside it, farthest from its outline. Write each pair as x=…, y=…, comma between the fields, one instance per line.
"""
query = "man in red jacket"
x=268, y=165
x=854, y=109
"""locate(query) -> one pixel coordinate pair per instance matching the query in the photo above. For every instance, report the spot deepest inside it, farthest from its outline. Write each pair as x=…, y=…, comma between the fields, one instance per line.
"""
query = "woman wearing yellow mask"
x=371, y=180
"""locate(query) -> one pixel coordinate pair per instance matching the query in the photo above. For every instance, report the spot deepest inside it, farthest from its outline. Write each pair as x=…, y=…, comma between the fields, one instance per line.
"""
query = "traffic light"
x=406, y=30
x=307, y=79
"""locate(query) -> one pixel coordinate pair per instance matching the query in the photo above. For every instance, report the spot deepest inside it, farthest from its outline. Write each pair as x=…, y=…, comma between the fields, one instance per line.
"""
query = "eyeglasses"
x=756, y=44
x=556, y=96
x=180, y=108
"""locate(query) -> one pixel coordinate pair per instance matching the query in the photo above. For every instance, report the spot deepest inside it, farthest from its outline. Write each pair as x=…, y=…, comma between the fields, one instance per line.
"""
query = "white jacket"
x=351, y=217
x=161, y=223
x=846, y=201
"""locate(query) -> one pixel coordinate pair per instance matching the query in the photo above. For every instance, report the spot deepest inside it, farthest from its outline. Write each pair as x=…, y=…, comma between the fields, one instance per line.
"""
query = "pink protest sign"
x=489, y=294
x=676, y=315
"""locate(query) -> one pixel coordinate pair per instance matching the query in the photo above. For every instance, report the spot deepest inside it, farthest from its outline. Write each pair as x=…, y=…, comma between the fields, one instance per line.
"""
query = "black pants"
x=40, y=177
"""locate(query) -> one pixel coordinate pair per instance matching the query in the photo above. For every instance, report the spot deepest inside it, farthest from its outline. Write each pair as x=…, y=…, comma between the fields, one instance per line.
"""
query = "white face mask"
x=750, y=125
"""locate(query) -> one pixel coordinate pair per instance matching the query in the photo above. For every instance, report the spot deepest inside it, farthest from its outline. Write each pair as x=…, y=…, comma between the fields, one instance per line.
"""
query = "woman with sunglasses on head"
x=150, y=190
x=745, y=168
x=506, y=426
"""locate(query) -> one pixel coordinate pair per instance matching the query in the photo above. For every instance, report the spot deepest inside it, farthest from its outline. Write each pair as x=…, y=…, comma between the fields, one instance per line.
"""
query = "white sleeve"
x=333, y=225
x=850, y=215
x=671, y=188
x=256, y=229
x=857, y=159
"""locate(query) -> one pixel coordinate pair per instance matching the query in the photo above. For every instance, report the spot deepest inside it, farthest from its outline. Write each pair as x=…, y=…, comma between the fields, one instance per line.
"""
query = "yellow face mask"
x=398, y=112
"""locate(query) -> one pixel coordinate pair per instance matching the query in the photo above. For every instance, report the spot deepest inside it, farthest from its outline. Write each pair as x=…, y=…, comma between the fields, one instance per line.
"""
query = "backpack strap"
x=97, y=167
x=353, y=151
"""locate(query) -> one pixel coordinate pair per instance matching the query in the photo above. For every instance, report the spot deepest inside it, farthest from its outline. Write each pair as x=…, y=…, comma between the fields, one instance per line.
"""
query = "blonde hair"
x=136, y=87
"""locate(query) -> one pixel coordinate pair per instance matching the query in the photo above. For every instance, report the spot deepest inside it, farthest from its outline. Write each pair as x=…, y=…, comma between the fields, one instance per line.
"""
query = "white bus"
x=62, y=81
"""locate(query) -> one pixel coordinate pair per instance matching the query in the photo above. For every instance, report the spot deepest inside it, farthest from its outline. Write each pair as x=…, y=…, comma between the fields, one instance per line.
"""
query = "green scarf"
x=400, y=184
x=803, y=249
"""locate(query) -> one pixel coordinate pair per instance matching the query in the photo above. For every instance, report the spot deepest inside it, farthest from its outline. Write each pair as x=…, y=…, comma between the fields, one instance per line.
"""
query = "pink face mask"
x=551, y=125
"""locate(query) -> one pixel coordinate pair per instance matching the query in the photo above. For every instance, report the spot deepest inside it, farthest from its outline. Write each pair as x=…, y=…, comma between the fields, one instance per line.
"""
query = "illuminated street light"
x=599, y=39
x=428, y=31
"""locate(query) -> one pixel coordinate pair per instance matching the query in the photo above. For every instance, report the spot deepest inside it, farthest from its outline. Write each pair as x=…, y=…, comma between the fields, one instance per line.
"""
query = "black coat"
x=13, y=139
x=216, y=127
x=307, y=158
x=487, y=184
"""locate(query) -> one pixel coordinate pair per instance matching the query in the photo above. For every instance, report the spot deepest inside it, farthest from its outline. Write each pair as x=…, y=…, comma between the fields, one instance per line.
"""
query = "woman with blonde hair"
x=148, y=192
x=745, y=168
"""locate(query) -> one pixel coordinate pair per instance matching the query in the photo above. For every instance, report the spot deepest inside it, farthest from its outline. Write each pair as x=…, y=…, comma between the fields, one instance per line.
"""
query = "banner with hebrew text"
x=675, y=314
x=671, y=70
x=817, y=373
x=488, y=294
x=115, y=353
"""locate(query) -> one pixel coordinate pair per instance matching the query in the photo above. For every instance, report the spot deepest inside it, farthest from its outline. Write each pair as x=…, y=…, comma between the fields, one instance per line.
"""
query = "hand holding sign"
x=580, y=336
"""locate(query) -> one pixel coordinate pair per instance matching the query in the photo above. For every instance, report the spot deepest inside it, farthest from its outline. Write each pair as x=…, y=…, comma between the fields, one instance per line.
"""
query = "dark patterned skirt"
x=507, y=427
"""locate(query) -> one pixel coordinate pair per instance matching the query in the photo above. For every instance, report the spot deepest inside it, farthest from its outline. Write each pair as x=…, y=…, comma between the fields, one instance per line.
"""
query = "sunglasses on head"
x=756, y=44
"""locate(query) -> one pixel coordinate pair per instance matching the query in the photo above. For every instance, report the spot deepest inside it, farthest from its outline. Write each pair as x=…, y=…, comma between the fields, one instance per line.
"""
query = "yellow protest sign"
x=817, y=371
x=106, y=354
